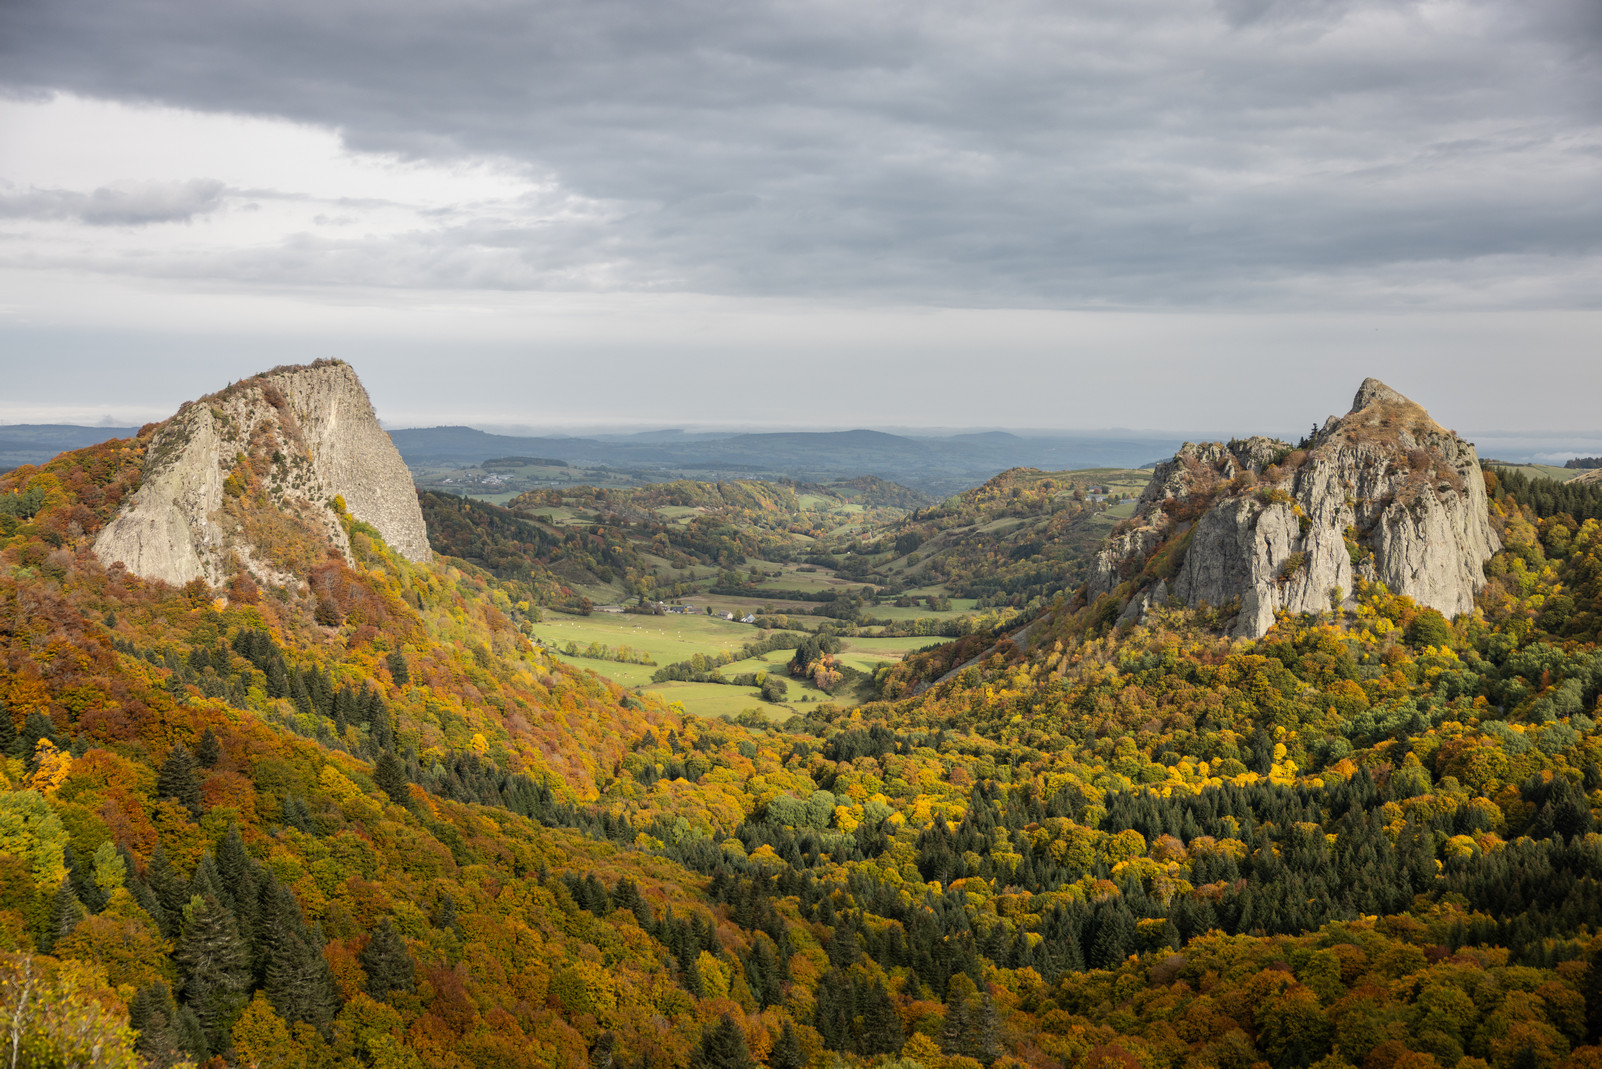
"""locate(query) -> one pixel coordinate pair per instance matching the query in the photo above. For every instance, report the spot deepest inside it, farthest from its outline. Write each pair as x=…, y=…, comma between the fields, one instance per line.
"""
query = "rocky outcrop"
x=246, y=478
x=1257, y=526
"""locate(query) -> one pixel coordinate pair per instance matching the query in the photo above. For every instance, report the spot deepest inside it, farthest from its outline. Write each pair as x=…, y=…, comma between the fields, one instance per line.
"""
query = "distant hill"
x=937, y=465
x=35, y=443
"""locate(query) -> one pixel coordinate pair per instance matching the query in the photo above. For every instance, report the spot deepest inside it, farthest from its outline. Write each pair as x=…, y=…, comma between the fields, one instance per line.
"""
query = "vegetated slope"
x=1368, y=838
x=649, y=541
x=1022, y=537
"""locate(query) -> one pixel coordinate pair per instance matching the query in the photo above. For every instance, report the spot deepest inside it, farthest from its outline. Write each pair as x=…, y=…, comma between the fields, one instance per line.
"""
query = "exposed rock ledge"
x=227, y=472
x=1383, y=493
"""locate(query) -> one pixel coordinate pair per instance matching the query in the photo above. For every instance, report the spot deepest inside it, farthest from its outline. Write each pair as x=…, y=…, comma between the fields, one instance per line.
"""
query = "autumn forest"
x=364, y=819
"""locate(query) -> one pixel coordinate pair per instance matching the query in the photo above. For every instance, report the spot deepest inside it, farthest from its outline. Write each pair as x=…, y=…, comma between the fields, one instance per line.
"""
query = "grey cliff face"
x=1383, y=493
x=227, y=471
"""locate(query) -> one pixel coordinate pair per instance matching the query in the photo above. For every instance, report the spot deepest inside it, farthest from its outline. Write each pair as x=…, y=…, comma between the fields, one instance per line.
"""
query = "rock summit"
x=1256, y=526
x=253, y=479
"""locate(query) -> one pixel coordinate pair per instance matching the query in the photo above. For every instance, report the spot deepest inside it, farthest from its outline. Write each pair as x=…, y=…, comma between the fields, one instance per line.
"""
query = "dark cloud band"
x=1105, y=152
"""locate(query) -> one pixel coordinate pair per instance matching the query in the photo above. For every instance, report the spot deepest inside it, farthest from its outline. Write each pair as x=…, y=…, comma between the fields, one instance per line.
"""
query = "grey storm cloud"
x=121, y=204
x=1095, y=153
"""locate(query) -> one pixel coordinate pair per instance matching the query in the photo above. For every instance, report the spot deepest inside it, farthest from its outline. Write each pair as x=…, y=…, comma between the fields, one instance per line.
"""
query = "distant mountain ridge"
x=937, y=465
x=35, y=443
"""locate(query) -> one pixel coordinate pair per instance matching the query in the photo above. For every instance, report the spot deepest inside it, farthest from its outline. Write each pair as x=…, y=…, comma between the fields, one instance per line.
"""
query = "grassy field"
x=716, y=699
x=666, y=638
x=866, y=654
x=677, y=638
x=1543, y=471
x=959, y=606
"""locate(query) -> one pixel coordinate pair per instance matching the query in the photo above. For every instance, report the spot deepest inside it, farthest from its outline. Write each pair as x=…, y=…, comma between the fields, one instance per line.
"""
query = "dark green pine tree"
x=300, y=694
x=603, y=1052
x=445, y=915
x=236, y=869
x=786, y=1052
x=147, y=900
x=723, y=1046
x=842, y=946
x=387, y=963
x=169, y=890
x=692, y=975
x=65, y=913
x=189, y=1035
x=152, y=1013
x=8, y=733
x=1115, y=937
x=881, y=1025
x=762, y=974
x=208, y=750
x=36, y=726
x=207, y=881
x=835, y=1009
x=180, y=781
x=398, y=669
x=240, y=877
x=1591, y=988
x=971, y=1028
x=390, y=775
x=216, y=969
x=297, y=979
x=278, y=684
x=82, y=875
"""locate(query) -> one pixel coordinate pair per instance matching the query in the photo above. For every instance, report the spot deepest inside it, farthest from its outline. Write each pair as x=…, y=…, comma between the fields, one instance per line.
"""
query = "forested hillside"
x=361, y=821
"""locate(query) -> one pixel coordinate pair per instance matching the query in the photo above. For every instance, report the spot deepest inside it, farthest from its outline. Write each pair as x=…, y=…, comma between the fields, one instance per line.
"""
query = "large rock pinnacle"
x=249, y=479
x=1382, y=494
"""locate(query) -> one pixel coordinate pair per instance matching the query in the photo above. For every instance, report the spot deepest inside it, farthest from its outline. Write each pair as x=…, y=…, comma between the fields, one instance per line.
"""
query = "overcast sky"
x=1191, y=214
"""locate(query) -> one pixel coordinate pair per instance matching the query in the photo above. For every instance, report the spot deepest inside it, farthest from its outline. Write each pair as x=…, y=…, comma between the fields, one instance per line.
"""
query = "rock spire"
x=1257, y=525
x=251, y=478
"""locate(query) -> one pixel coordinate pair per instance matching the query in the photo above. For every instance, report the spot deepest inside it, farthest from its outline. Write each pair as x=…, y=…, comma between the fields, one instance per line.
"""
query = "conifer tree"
x=189, y=1034
x=208, y=750
x=445, y=915
x=179, y=781
x=65, y=913
x=398, y=669
x=169, y=891
x=723, y=1046
x=390, y=776
x=152, y=1013
x=215, y=964
x=881, y=1025
x=8, y=733
x=36, y=726
x=1115, y=937
x=786, y=1053
x=278, y=682
x=297, y=979
x=239, y=876
x=692, y=975
x=762, y=974
x=971, y=1027
x=603, y=1051
x=207, y=881
x=83, y=882
x=387, y=963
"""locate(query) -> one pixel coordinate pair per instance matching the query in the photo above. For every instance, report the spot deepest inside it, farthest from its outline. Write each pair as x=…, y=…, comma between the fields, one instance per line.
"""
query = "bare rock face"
x=247, y=479
x=1382, y=494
